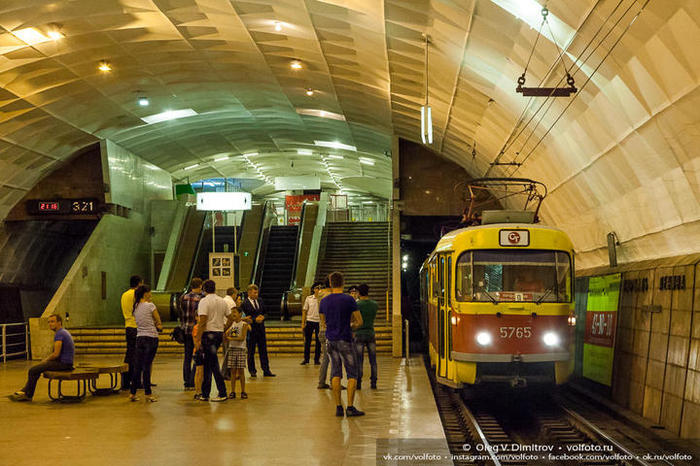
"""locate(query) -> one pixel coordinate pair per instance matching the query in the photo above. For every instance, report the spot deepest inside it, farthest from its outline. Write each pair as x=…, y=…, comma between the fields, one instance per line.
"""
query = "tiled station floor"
x=286, y=420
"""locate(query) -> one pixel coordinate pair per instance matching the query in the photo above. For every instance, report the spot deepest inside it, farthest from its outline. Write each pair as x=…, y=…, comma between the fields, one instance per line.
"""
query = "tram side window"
x=434, y=276
x=563, y=277
x=463, y=280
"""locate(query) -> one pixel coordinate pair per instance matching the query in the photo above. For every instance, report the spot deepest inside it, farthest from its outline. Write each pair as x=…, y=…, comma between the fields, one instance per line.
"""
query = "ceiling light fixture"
x=335, y=145
x=320, y=113
x=104, y=66
x=334, y=156
x=169, y=115
x=296, y=65
x=278, y=26
x=144, y=102
x=304, y=152
x=250, y=154
x=54, y=32
x=191, y=166
x=426, y=113
x=219, y=159
x=309, y=92
x=366, y=161
x=31, y=36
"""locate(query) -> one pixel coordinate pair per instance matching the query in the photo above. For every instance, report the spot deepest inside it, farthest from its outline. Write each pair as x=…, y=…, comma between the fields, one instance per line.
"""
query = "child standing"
x=237, y=351
x=198, y=357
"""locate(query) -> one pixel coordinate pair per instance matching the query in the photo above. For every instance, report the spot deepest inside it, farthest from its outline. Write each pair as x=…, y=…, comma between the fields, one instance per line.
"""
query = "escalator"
x=277, y=268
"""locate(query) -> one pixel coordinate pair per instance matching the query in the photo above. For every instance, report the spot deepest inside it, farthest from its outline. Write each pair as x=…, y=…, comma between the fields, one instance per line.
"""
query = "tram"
x=497, y=295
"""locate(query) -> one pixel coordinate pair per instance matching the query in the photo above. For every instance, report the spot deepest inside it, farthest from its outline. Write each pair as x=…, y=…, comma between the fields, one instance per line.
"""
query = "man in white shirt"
x=214, y=317
x=310, y=324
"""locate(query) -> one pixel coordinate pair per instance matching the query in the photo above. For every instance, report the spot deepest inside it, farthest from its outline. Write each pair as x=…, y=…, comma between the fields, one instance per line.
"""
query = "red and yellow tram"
x=498, y=300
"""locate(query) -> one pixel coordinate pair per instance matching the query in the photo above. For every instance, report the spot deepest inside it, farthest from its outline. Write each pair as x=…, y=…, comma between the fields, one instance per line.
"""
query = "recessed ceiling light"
x=31, y=36
x=366, y=161
x=296, y=65
x=304, y=152
x=169, y=115
x=335, y=145
x=219, y=159
x=104, y=66
x=250, y=154
x=334, y=156
x=191, y=166
x=278, y=26
x=309, y=92
x=144, y=102
x=320, y=113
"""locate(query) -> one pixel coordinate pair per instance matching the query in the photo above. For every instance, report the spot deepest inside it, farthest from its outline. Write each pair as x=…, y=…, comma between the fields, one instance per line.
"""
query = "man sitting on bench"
x=60, y=360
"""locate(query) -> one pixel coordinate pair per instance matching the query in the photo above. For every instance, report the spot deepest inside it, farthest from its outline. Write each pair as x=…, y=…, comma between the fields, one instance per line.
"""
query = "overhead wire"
x=513, y=137
x=595, y=70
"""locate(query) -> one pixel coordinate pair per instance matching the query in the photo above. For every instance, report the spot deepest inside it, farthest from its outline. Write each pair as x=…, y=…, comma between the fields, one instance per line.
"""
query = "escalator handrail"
x=297, y=245
x=261, y=236
x=198, y=249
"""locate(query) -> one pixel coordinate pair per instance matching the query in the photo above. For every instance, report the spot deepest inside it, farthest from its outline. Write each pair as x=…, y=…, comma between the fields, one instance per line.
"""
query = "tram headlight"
x=551, y=339
x=483, y=338
x=572, y=321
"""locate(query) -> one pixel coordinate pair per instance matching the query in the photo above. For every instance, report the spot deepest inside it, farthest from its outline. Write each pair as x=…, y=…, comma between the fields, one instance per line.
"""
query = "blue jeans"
x=323, y=370
x=361, y=342
x=187, y=370
x=342, y=353
x=210, y=344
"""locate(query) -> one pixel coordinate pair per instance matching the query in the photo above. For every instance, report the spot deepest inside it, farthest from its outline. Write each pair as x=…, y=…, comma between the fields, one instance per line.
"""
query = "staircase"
x=360, y=250
x=277, y=268
x=287, y=340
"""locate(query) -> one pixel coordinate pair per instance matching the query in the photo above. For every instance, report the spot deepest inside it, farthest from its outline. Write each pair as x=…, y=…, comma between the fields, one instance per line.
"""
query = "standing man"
x=310, y=324
x=189, y=304
x=214, y=317
x=364, y=336
x=340, y=314
x=255, y=309
x=61, y=359
x=127, y=303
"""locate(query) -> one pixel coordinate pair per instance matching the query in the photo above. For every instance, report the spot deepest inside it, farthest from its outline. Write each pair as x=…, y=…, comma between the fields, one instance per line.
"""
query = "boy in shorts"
x=237, y=351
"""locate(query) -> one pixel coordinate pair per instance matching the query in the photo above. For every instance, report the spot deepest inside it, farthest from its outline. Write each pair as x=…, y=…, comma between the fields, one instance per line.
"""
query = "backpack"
x=178, y=335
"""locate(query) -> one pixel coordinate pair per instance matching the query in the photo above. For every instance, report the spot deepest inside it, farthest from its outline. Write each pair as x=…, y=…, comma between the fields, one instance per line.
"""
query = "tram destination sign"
x=514, y=238
x=87, y=206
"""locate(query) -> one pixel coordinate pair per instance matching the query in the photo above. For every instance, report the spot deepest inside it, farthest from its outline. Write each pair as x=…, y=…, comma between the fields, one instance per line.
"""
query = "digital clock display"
x=62, y=206
x=49, y=206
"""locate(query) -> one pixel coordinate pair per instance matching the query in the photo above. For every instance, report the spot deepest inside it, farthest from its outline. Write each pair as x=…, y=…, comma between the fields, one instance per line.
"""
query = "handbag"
x=178, y=335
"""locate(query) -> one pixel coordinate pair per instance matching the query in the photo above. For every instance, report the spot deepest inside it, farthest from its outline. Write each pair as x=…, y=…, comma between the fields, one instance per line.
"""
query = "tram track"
x=529, y=429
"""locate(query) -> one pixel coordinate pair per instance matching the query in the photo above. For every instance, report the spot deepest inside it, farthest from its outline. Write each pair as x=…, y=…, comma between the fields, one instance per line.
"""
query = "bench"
x=112, y=369
x=81, y=376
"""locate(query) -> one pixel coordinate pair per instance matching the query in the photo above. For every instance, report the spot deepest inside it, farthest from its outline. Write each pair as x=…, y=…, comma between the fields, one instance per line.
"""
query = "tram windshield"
x=514, y=275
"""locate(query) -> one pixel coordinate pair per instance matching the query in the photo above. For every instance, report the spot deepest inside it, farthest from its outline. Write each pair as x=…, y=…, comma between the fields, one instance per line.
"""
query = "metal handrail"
x=3, y=341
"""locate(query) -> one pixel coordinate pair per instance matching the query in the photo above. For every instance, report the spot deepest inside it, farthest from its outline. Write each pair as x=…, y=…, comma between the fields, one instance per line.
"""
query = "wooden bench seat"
x=113, y=370
x=80, y=375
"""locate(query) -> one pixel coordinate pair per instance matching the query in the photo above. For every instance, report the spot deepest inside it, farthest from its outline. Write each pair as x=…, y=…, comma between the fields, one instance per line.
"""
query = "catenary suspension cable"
x=584, y=84
x=551, y=102
x=512, y=137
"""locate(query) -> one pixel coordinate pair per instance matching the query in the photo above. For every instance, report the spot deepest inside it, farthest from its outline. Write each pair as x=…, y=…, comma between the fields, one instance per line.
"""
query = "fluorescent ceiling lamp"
x=334, y=156
x=250, y=154
x=366, y=161
x=191, y=167
x=335, y=145
x=305, y=152
x=169, y=115
x=320, y=113
x=223, y=201
x=219, y=159
x=31, y=36
x=426, y=124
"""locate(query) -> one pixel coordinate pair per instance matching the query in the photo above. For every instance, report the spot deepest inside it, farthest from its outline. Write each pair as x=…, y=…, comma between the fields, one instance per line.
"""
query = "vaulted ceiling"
x=621, y=155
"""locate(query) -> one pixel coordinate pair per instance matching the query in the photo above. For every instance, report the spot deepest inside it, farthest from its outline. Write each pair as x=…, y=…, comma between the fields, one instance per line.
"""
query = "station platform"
x=286, y=420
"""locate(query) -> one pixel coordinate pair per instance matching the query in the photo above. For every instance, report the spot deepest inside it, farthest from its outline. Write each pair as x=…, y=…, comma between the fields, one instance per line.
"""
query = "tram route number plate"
x=514, y=238
x=515, y=332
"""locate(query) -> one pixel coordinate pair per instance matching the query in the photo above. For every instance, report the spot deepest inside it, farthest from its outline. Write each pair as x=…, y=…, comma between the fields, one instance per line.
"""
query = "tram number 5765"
x=517, y=332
